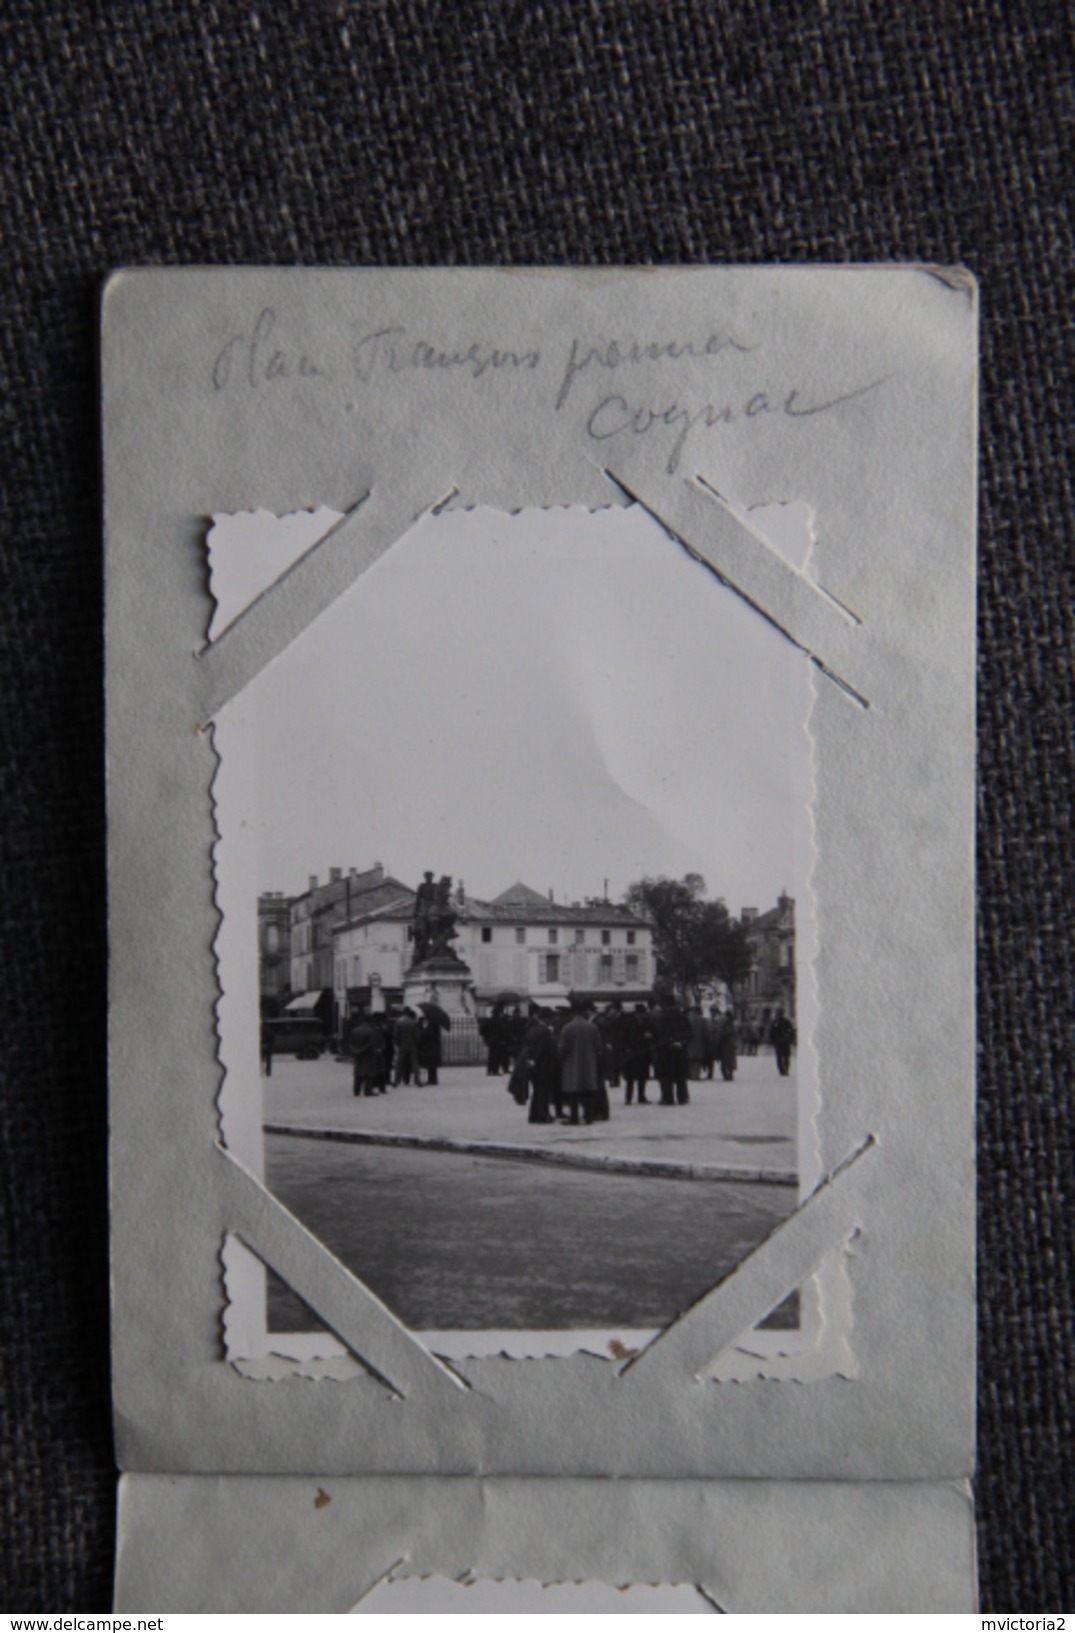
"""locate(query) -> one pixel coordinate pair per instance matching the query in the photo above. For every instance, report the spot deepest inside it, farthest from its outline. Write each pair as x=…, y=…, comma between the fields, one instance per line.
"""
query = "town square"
x=516, y=939
x=458, y=1177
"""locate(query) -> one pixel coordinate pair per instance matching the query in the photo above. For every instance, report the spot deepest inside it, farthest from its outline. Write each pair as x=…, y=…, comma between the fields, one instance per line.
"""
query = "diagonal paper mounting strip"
x=775, y=1268
x=707, y=527
x=309, y=588
x=348, y=1307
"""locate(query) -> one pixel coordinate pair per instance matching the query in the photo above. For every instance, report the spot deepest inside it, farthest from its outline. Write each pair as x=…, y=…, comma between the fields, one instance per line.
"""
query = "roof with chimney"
x=775, y=918
x=520, y=904
x=390, y=899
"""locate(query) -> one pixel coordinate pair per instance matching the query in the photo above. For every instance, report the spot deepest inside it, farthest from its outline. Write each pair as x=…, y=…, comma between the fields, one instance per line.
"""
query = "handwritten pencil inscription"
x=614, y=415
x=252, y=358
x=261, y=357
x=393, y=350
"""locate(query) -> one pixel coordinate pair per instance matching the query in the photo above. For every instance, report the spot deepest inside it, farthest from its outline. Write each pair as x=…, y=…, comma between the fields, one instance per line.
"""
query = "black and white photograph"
x=515, y=953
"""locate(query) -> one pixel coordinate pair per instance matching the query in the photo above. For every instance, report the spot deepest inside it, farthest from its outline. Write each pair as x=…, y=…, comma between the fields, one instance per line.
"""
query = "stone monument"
x=437, y=974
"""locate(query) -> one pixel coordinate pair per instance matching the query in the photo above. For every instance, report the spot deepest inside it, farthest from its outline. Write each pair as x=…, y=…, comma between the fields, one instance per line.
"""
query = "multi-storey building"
x=523, y=942
x=771, y=983
x=372, y=951
x=519, y=947
x=314, y=916
x=315, y=913
x=274, y=951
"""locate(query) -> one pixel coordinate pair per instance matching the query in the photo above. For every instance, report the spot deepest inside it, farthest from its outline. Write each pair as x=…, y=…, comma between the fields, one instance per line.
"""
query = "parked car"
x=300, y=1035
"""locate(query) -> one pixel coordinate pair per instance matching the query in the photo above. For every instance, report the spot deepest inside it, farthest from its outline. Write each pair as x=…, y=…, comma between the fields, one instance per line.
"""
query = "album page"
x=541, y=774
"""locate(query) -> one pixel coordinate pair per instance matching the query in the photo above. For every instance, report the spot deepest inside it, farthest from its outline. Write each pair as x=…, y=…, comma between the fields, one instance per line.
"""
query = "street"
x=462, y=1240
x=472, y=1242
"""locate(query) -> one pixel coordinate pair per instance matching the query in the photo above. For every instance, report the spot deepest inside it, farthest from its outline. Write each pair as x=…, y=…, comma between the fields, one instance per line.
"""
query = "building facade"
x=519, y=948
x=771, y=984
x=372, y=953
x=523, y=943
x=274, y=951
x=317, y=911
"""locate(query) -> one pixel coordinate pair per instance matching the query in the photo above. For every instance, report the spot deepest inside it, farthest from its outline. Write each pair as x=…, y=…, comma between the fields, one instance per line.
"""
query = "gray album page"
x=541, y=776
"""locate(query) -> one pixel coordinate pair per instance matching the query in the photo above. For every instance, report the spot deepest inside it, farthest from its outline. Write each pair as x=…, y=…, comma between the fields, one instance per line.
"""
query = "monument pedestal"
x=440, y=981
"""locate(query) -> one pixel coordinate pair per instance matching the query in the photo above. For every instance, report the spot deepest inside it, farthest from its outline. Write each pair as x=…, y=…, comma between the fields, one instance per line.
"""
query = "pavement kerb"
x=598, y=1161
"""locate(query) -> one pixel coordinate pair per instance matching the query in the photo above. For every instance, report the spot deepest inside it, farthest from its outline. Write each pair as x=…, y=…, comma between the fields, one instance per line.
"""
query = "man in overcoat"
x=637, y=1038
x=781, y=1036
x=610, y=1024
x=405, y=1037
x=367, y=1049
x=429, y=1048
x=496, y=1035
x=542, y=1067
x=727, y=1045
x=699, y=1049
x=671, y=1038
x=579, y=1049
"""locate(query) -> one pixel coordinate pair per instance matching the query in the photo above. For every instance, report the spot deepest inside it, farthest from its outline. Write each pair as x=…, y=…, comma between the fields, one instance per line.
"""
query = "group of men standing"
x=563, y=1063
x=390, y=1049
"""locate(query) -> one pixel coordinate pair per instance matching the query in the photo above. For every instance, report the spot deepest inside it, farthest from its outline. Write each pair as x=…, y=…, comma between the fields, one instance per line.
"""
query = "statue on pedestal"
x=424, y=899
x=434, y=921
x=438, y=980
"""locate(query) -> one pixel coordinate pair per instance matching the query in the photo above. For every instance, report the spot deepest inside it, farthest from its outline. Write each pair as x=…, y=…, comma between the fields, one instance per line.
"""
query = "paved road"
x=469, y=1242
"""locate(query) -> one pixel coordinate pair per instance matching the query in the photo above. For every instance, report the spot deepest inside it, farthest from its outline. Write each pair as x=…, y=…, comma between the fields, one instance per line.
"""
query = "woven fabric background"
x=599, y=131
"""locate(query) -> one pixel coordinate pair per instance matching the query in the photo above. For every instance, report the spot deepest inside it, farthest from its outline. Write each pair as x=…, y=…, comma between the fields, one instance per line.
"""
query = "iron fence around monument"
x=462, y=1045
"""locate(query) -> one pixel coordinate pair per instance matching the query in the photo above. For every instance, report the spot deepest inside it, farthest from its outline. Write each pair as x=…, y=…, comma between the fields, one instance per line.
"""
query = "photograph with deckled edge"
x=564, y=705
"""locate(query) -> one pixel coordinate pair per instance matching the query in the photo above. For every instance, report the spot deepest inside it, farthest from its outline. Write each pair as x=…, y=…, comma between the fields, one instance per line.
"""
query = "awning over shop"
x=305, y=1003
x=605, y=995
x=553, y=994
x=550, y=992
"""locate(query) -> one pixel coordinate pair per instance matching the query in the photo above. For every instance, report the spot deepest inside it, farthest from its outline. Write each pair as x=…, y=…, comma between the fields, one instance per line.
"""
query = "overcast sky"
x=559, y=697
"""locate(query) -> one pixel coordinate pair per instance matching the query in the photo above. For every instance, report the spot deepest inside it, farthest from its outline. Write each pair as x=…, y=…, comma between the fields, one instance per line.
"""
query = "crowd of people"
x=562, y=1063
x=388, y=1050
